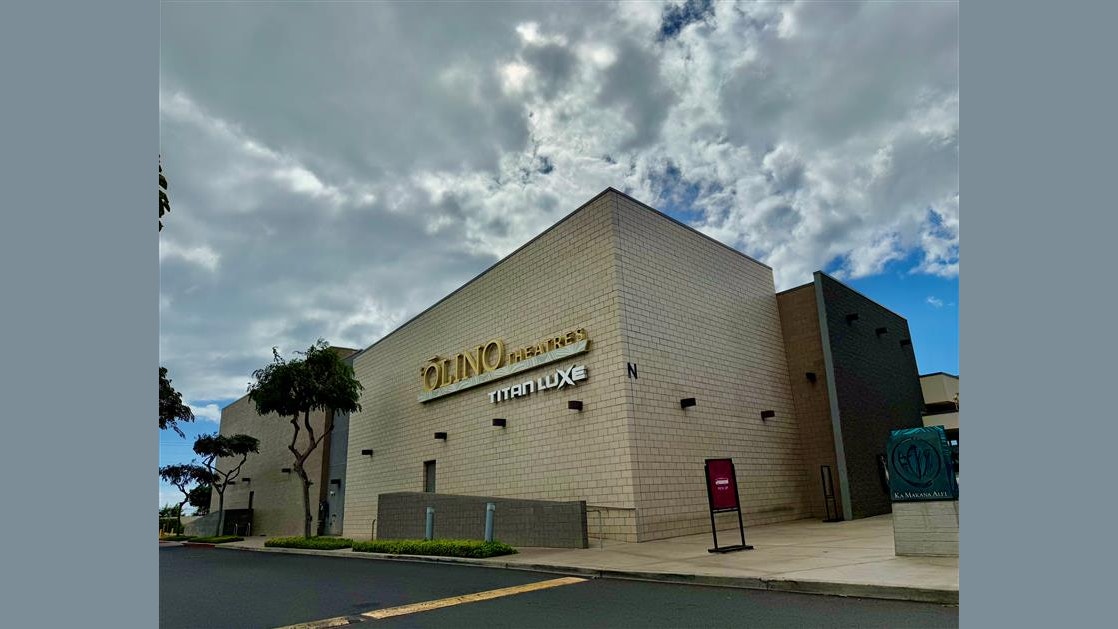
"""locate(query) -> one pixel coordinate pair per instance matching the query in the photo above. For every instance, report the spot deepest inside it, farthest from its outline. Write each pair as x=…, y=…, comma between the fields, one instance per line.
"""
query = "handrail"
x=599, y=509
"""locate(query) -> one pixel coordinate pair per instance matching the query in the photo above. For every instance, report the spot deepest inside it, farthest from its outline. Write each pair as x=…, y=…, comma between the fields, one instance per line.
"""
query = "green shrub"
x=220, y=539
x=175, y=538
x=314, y=543
x=439, y=547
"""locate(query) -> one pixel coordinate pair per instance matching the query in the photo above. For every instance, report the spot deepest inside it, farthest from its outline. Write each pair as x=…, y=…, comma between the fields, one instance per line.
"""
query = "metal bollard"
x=489, y=509
x=430, y=534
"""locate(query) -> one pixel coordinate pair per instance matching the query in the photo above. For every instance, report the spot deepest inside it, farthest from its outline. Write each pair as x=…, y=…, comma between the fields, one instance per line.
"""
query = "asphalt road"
x=216, y=588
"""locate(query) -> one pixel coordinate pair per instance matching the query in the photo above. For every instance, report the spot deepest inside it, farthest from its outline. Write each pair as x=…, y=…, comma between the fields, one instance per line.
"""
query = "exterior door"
x=429, y=477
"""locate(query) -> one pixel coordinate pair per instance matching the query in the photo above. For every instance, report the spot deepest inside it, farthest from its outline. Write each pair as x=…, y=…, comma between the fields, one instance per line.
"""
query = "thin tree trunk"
x=179, y=530
x=220, y=511
x=306, y=500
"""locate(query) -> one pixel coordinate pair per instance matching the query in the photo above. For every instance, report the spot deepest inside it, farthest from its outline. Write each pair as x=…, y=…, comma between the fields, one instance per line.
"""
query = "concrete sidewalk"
x=852, y=558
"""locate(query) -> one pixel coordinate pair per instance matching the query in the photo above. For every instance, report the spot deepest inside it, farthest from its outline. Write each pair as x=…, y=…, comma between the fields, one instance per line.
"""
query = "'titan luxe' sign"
x=558, y=380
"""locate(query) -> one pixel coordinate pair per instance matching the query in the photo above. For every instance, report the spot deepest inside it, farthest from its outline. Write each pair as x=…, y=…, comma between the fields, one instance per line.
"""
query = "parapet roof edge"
x=540, y=235
x=863, y=296
x=688, y=227
x=939, y=373
x=788, y=290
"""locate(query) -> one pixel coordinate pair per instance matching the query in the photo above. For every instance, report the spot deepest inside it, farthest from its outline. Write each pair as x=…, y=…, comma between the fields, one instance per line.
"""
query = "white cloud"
x=935, y=302
x=201, y=255
x=208, y=412
x=514, y=77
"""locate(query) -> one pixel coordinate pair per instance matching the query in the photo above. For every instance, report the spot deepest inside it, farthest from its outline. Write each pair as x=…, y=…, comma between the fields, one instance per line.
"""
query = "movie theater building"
x=603, y=362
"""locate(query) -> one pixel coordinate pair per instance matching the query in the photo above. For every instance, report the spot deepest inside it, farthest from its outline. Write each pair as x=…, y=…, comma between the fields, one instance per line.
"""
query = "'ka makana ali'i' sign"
x=492, y=361
x=919, y=463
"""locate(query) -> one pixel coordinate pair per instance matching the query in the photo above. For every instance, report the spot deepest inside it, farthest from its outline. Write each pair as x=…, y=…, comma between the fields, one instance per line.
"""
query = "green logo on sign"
x=917, y=462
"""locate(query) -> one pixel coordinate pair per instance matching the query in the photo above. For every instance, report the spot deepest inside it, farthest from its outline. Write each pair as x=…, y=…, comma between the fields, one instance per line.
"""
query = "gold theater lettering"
x=442, y=371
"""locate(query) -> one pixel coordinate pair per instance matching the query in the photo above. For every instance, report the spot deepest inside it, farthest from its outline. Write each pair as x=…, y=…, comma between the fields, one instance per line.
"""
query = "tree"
x=213, y=448
x=169, y=517
x=164, y=201
x=171, y=409
x=199, y=498
x=319, y=381
x=182, y=476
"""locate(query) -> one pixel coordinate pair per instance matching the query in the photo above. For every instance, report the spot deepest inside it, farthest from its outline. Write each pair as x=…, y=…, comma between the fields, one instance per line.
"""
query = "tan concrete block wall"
x=278, y=497
x=929, y=529
x=611, y=523
x=562, y=281
x=803, y=344
x=700, y=320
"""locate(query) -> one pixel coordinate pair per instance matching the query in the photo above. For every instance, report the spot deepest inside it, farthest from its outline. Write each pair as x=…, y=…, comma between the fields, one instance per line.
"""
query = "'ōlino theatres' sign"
x=491, y=361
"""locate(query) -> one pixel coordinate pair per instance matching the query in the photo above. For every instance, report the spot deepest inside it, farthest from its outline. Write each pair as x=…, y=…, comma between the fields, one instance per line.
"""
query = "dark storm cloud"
x=634, y=83
x=554, y=65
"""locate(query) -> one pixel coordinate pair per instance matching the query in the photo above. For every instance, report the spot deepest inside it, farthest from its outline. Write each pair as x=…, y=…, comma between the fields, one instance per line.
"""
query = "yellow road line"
x=470, y=598
x=320, y=624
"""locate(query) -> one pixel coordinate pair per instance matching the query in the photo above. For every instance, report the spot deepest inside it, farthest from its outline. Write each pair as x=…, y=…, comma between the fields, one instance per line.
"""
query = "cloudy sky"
x=335, y=168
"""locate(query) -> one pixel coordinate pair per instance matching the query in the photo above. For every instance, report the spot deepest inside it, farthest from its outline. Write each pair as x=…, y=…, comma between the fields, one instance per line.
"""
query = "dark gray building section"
x=877, y=388
x=547, y=523
x=335, y=475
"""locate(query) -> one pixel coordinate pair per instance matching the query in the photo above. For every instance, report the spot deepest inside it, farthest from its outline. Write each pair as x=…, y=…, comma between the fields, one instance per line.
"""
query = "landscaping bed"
x=437, y=547
x=312, y=543
x=220, y=539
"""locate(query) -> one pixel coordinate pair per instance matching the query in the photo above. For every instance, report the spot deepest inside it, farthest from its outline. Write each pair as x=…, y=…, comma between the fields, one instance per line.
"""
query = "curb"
x=827, y=588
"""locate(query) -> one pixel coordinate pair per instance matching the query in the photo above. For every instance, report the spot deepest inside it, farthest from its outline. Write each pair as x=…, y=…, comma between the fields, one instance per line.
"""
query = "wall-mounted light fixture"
x=687, y=402
x=367, y=452
x=811, y=377
x=285, y=470
x=440, y=435
x=852, y=317
x=767, y=414
x=498, y=421
x=574, y=405
x=881, y=331
x=906, y=342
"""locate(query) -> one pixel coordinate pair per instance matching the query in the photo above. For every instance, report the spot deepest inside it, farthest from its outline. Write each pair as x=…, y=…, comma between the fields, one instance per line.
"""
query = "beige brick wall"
x=803, y=343
x=277, y=497
x=566, y=279
x=697, y=318
x=701, y=320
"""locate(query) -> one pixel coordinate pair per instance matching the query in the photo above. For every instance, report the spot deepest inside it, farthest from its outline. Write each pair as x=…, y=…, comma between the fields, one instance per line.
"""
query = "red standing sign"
x=722, y=494
x=722, y=486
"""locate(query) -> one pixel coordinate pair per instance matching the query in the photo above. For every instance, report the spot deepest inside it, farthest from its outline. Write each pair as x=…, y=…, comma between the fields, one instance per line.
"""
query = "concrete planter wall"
x=926, y=529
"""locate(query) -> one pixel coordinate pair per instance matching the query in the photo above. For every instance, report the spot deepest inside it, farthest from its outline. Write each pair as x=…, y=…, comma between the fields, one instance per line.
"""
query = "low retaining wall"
x=926, y=529
x=402, y=515
x=237, y=522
